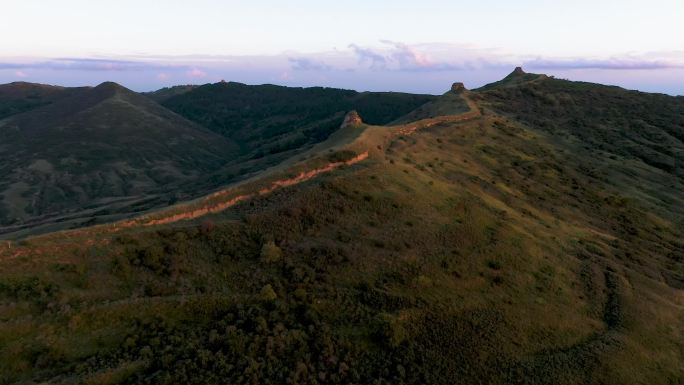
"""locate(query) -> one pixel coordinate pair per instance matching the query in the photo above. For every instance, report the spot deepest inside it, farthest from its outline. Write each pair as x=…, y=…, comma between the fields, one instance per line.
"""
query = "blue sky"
x=417, y=46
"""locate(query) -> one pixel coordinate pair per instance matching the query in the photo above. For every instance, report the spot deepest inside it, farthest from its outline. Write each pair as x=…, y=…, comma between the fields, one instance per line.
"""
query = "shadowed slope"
x=516, y=78
x=267, y=119
x=97, y=146
x=630, y=139
x=450, y=103
x=20, y=97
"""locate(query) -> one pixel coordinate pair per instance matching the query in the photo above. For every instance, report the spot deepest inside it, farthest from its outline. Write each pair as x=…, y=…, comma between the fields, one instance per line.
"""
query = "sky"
x=379, y=45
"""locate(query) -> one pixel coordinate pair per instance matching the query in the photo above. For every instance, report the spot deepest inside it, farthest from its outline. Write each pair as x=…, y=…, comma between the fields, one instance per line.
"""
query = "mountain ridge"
x=493, y=236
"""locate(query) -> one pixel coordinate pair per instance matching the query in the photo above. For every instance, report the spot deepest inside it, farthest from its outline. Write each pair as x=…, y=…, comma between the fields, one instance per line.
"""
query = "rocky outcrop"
x=351, y=119
x=518, y=71
x=457, y=87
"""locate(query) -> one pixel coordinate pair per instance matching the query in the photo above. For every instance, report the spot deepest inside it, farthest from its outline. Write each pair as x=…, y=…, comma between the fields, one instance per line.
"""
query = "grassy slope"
x=476, y=251
x=20, y=97
x=448, y=104
x=165, y=93
x=84, y=156
x=95, y=147
x=633, y=140
x=267, y=119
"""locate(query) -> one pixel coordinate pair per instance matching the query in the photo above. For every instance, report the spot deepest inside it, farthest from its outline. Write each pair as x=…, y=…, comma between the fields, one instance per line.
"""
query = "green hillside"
x=96, y=153
x=20, y=97
x=269, y=119
x=165, y=93
x=632, y=140
x=79, y=156
x=528, y=240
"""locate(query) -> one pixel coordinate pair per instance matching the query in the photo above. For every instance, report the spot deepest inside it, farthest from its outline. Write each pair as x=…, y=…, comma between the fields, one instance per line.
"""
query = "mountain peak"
x=515, y=78
x=518, y=71
x=351, y=119
x=110, y=86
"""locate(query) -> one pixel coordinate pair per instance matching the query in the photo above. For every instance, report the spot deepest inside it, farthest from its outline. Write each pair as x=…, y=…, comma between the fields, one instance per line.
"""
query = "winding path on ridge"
x=230, y=196
x=206, y=207
x=474, y=112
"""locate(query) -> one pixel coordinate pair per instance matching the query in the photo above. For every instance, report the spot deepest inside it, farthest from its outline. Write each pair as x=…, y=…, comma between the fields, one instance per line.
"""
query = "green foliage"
x=98, y=151
x=110, y=152
x=19, y=97
x=390, y=330
x=341, y=156
x=267, y=294
x=269, y=119
x=270, y=252
x=610, y=125
x=32, y=289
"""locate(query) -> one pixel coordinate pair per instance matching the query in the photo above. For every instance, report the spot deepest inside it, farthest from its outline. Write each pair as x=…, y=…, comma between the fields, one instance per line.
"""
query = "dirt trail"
x=410, y=128
x=217, y=207
x=207, y=205
x=8, y=249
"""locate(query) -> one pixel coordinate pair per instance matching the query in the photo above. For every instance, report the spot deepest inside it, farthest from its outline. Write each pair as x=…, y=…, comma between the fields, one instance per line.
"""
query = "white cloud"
x=196, y=73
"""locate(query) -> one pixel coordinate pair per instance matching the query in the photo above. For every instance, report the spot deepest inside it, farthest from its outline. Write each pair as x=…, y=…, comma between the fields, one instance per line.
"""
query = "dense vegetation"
x=269, y=119
x=637, y=138
x=20, y=97
x=77, y=156
x=97, y=152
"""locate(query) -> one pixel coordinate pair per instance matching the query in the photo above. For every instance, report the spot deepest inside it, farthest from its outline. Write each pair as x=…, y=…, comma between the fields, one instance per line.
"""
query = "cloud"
x=11, y=66
x=398, y=56
x=308, y=64
x=87, y=64
x=196, y=73
x=387, y=65
x=367, y=55
x=616, y=63
x=410, y=58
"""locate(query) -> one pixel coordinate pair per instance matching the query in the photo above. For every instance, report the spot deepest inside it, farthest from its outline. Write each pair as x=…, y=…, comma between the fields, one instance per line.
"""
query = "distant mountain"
x=268, y=119
x=165, y=93
x=20, y=97
x=75, y=156
x=516, y=78
x=96, y=150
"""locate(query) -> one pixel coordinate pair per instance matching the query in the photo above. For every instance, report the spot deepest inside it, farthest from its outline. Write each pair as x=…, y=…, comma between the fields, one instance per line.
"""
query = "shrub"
x=390, y=330
x=341, y=156
x=494, y=265
x=267, y=294
x=270, y=252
